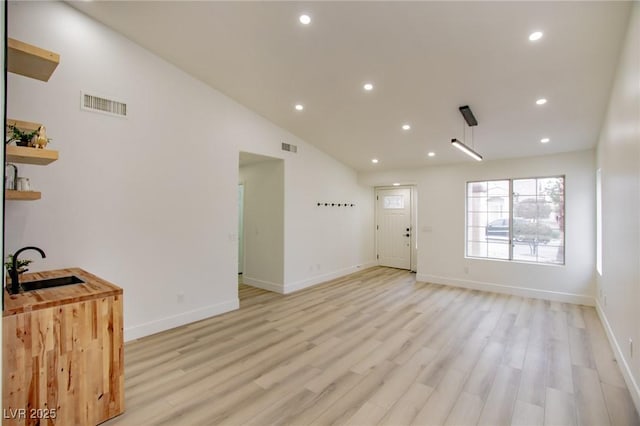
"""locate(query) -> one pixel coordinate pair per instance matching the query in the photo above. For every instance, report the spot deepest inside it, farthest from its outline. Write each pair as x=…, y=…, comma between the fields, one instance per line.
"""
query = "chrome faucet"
x=11, y=183
x=14, y=288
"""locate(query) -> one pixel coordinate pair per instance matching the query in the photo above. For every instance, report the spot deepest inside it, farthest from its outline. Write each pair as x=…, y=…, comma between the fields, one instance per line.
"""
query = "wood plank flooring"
x=377, y=347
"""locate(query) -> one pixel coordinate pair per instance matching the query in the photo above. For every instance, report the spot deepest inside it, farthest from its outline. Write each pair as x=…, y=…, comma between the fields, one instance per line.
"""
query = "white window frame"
x=599, y=221
x=511, y=221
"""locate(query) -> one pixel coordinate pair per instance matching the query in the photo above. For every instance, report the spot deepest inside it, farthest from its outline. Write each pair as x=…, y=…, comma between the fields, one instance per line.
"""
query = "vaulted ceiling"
x=424, y=59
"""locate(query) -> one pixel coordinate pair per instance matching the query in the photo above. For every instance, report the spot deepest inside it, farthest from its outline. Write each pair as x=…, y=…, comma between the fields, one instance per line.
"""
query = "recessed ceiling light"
x=299, y=107
x=545, y=140
x=368, y=86
x=374, y=160
x=541, y=101
x=406, y=127
x=305, y=19
x=431, y=154
x=396, y=184
x=537, y=35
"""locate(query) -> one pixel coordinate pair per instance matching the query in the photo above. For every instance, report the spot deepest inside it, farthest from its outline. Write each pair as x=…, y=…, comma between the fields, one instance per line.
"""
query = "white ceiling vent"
x=289, y=147
x=102, y=105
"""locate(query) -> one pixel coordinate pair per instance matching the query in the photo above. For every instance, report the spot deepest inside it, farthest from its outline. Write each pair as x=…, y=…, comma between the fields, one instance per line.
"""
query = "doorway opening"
x=240, y=229
x=261, y=221
x=395, y=221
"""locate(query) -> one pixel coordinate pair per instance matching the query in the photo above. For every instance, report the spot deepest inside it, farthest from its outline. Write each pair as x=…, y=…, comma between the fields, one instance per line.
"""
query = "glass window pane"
x=491, y=216
x=476, y=249
x=476, y=233
x=498, y=204
x=525, y=208
x=393, y=202
x=498, y=229
x=498, y=188
x=524, y=187
x=538, y=252
x=477, y=219
x=546, y=211
x=498, y=250
x=476, y=188
x=553, y=185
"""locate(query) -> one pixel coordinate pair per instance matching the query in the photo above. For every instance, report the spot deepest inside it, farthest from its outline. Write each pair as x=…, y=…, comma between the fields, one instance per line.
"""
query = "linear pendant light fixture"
x=462, y=147
x=471, y=121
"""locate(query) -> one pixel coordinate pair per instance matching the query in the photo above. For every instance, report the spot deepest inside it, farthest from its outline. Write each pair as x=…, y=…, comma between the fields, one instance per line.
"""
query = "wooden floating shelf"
x=10, y=194
x=28, y=155
x=30, y=61
x=22, y=125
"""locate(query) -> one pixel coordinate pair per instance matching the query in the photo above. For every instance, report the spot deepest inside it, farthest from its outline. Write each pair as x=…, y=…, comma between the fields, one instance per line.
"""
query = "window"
x=599, y=221
x=516, y=219
x=394, y=201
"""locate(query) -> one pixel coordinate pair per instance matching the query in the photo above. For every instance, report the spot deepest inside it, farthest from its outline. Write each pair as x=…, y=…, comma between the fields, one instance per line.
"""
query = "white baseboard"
x=319, y=279
x=265, y=285
x=163, y=324
x=634, y=389
x=555, y=296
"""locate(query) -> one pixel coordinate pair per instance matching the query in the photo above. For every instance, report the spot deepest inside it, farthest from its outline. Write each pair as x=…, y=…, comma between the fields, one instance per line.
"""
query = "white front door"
x=393, y=228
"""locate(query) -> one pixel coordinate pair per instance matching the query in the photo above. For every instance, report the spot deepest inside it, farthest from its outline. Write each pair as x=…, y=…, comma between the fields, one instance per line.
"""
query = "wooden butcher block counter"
x=63, y=352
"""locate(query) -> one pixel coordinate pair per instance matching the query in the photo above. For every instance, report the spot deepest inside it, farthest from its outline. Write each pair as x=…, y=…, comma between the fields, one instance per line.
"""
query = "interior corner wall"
x=149, y=202
x=264, y=224
x=618, y=158
x=441, y=227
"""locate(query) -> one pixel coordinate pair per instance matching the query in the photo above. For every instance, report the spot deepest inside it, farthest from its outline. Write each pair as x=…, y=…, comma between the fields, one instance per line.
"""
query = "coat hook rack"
x=320, y=204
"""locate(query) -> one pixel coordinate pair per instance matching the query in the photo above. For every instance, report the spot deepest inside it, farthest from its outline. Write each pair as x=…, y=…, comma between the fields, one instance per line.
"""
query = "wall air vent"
x=289, y=147
x=102, y=105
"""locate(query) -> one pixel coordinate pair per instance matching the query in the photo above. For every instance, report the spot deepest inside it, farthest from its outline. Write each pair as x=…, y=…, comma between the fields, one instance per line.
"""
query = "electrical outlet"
x=630, y=347
x=466, y=269
x=605, y=300
x=180, y=297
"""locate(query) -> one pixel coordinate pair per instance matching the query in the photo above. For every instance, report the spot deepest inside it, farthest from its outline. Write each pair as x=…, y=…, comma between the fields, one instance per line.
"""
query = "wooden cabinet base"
x=64, y=365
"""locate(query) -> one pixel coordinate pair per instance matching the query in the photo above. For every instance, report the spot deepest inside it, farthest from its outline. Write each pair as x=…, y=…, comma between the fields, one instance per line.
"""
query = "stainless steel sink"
x=51, y=282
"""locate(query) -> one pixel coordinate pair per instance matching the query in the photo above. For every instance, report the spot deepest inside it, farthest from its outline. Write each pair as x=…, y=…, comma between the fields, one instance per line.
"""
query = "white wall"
x=619, y=160
x=441, y=227
x=325, y=242
x=150, y=202
x=264, y=224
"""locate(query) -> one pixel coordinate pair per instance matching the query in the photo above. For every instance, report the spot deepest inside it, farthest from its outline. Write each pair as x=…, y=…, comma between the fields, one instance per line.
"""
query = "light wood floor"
x=378, y=348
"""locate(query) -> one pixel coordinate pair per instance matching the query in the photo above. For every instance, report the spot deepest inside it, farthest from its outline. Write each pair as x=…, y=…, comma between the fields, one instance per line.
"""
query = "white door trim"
x=413, y=218
x=240, y=228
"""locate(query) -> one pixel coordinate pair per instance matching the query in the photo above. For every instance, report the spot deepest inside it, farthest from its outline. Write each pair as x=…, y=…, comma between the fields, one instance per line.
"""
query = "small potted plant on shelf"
x=21, y=138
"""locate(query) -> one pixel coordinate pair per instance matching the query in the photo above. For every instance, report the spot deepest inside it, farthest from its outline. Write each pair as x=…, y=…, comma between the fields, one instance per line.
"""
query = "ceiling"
x=425, y=60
